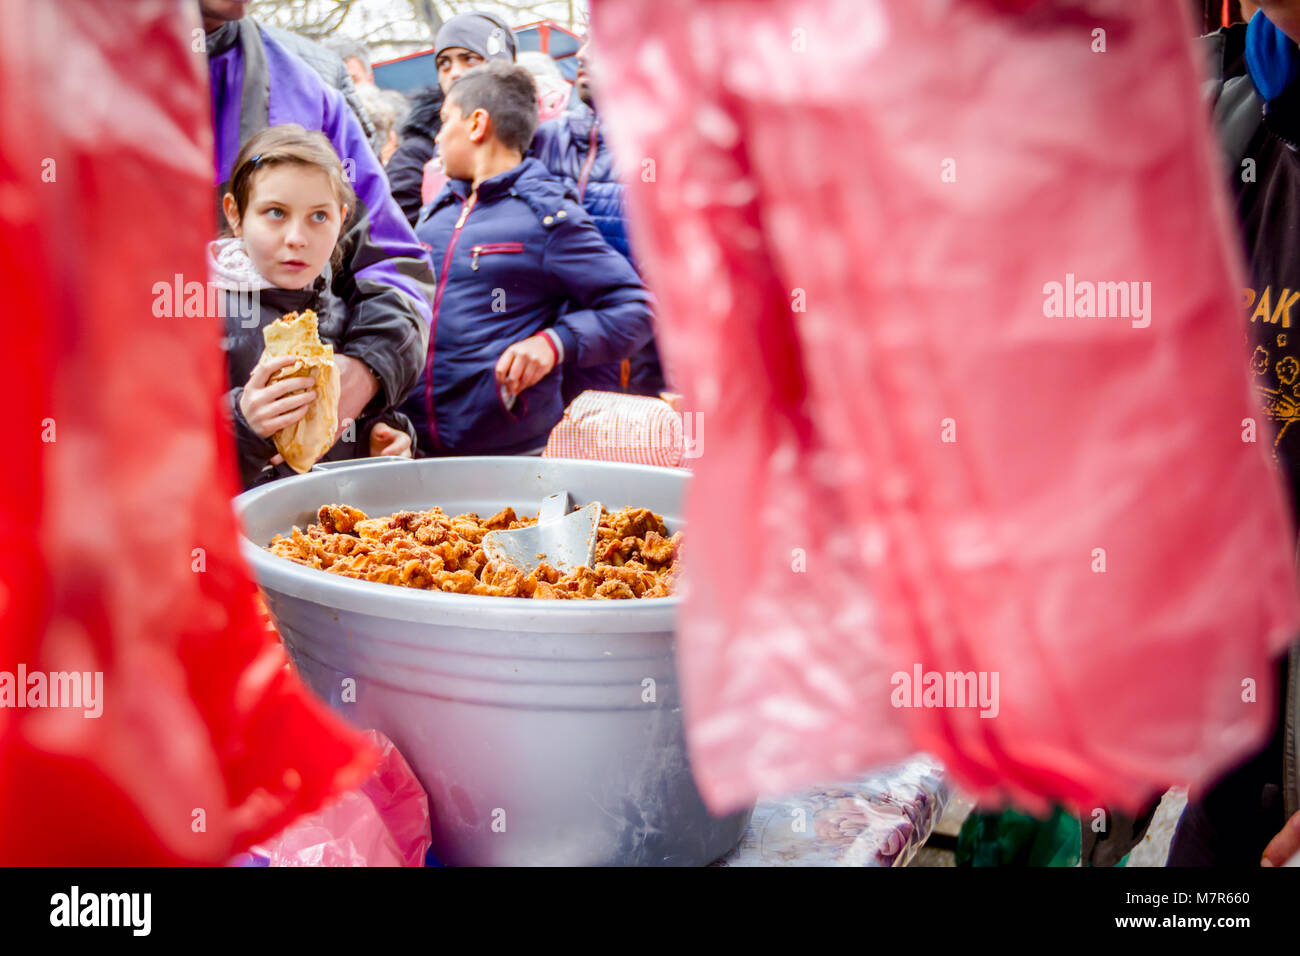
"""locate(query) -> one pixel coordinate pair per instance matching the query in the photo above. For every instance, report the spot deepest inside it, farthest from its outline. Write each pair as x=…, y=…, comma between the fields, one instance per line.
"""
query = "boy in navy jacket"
x=512, y=250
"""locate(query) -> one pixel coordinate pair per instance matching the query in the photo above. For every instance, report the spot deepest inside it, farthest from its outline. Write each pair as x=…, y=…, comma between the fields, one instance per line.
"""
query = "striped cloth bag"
x=610, y=426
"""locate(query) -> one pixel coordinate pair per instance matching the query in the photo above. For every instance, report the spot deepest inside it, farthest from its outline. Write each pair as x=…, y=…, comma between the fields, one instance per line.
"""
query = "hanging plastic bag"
x=179, y=735
x=952, y=288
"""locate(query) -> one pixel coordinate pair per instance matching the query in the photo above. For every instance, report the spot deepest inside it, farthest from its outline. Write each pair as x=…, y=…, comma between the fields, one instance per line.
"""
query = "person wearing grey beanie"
x=463, y=42
x=467, y=40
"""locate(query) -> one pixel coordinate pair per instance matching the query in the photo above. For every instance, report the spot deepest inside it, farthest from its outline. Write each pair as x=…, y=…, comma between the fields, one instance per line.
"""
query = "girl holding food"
x=289, y=201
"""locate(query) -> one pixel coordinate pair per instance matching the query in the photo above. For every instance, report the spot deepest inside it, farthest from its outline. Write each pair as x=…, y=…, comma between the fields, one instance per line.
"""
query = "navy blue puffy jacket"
x=524, y=252
x=573, y=148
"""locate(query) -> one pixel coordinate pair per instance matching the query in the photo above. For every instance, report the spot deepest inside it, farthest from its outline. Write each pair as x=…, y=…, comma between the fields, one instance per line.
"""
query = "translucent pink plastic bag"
x=553, y=94
x=383, y=822
x=920, y=459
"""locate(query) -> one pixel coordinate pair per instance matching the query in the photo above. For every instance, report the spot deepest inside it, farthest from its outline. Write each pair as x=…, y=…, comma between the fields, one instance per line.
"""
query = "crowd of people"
x=465, y=249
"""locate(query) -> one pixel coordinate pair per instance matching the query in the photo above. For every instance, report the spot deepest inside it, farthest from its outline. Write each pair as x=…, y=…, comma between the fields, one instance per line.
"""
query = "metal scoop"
x=563, y=540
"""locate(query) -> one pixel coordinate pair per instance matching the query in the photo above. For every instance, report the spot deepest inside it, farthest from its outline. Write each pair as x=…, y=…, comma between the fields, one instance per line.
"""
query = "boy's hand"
x=269, y=408
x=1283, y=846
x=387, y=440
x=525, y=363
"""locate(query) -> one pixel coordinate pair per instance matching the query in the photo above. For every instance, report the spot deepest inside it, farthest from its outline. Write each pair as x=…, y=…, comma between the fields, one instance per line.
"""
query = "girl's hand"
x=387, y=440
x=269, y=408
x=525, y=363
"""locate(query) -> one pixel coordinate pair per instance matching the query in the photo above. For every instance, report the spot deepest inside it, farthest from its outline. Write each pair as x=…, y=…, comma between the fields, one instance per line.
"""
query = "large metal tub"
x=531, y=724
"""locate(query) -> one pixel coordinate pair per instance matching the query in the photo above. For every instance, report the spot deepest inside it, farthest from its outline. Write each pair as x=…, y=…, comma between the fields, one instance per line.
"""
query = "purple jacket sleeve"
x=610, y=317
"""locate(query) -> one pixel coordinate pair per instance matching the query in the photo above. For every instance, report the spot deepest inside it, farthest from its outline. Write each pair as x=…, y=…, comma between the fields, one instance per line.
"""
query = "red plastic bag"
x=920, y=465
x=121, y=555
x=383, y=822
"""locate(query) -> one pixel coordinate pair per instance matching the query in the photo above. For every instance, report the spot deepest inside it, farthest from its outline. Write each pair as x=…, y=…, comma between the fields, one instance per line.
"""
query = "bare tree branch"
x=427, y=13
x=382, y=25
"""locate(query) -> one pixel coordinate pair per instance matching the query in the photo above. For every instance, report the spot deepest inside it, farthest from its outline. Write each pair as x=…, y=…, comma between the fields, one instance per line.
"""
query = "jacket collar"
x=294, y=300
x=581, y=118
x=222, y=38
x=1271, y=57
x=424, y=118
x=501, y=184
x=254, y=94
x=230, y=268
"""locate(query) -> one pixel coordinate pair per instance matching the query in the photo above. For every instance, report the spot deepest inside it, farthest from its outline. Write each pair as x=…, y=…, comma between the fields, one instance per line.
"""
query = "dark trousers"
x=1233, y=821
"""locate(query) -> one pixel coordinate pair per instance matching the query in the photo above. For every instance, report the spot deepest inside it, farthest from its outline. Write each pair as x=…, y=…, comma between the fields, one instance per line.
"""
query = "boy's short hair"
x=508, y=94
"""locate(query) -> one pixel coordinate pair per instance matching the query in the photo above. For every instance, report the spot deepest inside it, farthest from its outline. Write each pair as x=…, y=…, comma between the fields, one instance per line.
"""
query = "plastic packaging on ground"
x=878, y=820
x=954, y=291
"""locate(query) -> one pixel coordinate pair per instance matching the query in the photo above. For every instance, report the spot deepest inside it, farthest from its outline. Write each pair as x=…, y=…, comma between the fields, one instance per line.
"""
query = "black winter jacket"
x=1263, y=167
x=243, y=344
x=415, y=149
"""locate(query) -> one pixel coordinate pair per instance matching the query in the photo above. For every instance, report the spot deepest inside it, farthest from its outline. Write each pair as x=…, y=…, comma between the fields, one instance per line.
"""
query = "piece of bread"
x=303, y=443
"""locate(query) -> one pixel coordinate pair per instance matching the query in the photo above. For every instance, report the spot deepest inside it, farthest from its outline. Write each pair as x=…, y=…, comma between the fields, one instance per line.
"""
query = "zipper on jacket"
x=487, y=248
x=437, y=307
x=591, y=159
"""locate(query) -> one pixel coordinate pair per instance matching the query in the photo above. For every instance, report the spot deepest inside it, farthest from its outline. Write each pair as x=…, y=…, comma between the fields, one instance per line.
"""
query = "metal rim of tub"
x=474, y=611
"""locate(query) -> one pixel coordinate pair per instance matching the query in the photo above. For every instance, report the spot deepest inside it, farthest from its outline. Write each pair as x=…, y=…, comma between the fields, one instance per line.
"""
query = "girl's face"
x=291, y=225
